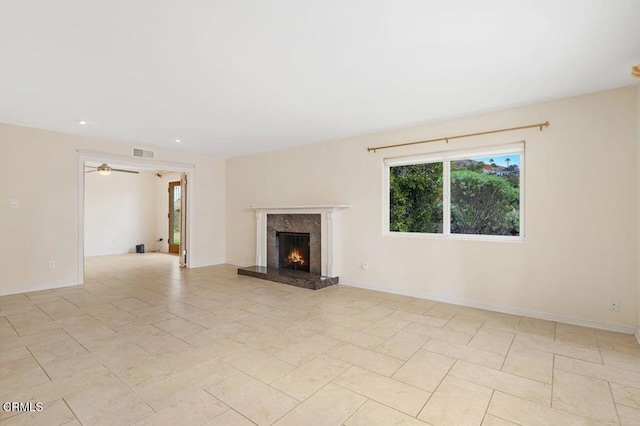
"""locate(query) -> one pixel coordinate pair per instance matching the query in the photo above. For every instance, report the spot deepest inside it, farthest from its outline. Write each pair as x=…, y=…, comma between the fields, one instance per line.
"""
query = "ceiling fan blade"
x=125, y=171
x=90, y=171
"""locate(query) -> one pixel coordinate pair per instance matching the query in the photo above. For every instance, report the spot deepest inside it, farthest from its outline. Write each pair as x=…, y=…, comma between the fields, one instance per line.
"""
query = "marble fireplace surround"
x=325, y=242
x=298, y=223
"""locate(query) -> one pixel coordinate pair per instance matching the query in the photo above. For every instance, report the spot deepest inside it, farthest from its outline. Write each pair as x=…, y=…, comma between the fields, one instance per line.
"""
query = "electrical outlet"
x=365, y=265
x=614, y=305
x=52, y=264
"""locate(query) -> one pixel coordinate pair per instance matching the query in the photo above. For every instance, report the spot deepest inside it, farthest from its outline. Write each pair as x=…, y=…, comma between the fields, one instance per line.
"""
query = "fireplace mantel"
x=301, y=209
x=329, y=225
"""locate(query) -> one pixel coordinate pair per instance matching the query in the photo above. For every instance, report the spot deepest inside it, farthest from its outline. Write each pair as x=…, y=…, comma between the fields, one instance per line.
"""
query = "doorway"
x=180, y=171
x=175, y=216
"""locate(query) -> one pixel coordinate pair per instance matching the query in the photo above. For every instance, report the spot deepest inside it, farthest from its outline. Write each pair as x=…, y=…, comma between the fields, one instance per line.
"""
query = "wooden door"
x=175, y=216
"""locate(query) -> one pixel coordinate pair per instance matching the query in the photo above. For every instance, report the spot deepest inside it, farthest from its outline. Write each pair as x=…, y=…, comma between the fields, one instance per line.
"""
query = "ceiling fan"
x=104, y=169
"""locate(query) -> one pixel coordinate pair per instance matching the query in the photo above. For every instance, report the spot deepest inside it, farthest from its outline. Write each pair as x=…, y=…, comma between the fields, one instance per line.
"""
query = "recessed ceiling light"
x=178, y=141
x=83, y=122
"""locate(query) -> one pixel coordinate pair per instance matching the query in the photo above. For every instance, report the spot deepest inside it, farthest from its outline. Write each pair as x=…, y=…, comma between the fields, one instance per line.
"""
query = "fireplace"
x=293, y=242
x=282, y=256
x=293, y=250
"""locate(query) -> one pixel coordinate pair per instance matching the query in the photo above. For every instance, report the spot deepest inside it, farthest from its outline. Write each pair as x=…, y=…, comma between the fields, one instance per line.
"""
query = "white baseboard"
x=214, y=263
x=504, y=309
x=108, y=253
x=239, y=263
x=31, y=289
x=638, y=334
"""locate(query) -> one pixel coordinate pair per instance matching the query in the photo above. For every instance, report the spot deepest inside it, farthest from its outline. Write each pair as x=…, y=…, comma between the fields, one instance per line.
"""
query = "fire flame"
x=295, y=257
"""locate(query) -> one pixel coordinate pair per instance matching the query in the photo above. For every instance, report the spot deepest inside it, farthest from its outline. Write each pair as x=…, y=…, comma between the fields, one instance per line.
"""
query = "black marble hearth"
x=289, y=276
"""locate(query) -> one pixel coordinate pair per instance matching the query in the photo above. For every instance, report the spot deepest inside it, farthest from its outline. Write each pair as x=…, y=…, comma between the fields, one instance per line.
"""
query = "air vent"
x=144, y=153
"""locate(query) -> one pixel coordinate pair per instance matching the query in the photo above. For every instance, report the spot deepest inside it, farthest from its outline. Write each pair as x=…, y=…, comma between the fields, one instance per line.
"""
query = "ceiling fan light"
x=104, y=169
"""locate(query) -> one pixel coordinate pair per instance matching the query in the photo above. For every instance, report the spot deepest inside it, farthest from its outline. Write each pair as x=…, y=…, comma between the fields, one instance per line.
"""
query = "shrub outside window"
x=468, y=194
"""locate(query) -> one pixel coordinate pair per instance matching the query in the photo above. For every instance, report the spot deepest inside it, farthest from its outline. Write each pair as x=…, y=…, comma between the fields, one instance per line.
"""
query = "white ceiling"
x=239, y=76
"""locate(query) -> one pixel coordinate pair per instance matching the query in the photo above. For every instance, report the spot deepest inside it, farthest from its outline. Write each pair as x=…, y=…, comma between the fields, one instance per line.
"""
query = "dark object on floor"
x=289, y=276
x=140, y=248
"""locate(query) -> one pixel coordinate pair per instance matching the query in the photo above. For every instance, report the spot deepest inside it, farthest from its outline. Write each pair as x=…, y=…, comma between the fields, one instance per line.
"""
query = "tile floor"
x=143, y=342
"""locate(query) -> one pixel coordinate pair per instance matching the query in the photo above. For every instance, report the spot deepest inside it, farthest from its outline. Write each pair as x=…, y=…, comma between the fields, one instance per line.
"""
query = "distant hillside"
x=468, y=164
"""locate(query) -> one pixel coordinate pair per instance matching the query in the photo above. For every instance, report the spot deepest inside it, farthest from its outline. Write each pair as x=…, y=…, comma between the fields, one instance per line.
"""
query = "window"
x=475, y=194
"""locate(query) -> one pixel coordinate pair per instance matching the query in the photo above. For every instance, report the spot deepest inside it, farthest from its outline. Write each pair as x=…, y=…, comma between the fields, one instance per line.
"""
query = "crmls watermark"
x=22, y=406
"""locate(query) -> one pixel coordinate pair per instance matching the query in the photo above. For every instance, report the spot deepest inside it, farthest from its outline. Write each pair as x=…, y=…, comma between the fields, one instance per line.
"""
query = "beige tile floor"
x=143, y=342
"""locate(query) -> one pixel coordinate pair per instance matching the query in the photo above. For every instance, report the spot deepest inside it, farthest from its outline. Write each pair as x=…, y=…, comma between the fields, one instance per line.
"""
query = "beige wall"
x=119, y=212
x=581, y=191
x=40, y=168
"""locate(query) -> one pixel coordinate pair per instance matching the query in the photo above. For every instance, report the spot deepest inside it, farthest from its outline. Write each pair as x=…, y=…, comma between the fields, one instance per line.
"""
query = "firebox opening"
x=293, y=250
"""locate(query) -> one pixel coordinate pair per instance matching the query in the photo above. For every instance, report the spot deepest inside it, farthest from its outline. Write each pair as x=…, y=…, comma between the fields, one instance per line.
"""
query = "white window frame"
x=445, y=158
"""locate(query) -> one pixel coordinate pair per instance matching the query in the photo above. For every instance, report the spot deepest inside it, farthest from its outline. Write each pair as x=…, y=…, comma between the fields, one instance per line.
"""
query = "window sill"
x=461, y=237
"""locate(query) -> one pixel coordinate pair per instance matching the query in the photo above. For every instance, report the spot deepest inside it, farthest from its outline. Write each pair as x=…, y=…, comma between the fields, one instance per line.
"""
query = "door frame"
x=142, y=164
x=176, y=247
